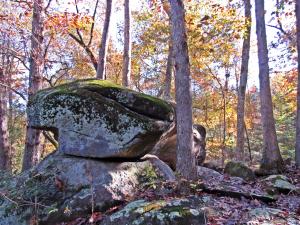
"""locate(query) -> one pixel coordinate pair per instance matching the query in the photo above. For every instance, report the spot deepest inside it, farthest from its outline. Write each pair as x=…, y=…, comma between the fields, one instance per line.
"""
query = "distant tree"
x=78, y=37
x=170, y=60
x=33, y=136
x=243, y=83
x=271, y=160
x=104, y=41
x=297, y=152
x=5, y=154
x=185, y=164
x=169, y=72
x=127, y=44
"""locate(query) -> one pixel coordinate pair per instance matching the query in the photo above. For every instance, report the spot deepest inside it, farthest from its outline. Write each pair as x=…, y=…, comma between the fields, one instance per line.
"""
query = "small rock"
x=206, y=173
x=281, y=183
x=214, y=165
x=238, y=169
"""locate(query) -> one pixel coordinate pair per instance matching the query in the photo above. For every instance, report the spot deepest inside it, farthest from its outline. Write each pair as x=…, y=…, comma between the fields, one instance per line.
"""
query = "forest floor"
x=224, y=206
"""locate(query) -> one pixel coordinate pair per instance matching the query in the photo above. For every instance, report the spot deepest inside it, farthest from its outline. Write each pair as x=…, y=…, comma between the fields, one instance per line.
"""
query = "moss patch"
x=138, y=102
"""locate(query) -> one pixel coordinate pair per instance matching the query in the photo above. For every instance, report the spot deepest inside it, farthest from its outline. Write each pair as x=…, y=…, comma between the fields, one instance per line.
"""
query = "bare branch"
x=14, y=90
x=50, y=138
x=281, y=30
x=48, y=5
x=47, y=47
x=93, y=24
x=16, y=55
x=77, y=30
x=87, y=50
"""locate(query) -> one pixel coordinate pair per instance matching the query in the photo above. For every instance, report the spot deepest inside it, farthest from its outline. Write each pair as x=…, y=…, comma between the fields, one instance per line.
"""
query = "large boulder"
x=96, y=118
x=165, y=148
x=62, y=188
x=160, y=212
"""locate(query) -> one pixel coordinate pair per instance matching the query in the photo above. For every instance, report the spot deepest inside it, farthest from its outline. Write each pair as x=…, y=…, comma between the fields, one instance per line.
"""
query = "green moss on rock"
x=95, y=118
x=238, y=169
x=139, y=102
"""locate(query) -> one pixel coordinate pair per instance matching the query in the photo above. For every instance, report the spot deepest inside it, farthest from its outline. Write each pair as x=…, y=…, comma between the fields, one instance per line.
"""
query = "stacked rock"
x=105, y=133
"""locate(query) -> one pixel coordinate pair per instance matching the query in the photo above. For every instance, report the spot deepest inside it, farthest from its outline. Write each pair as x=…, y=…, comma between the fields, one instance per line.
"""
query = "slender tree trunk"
x=127, y=44
x=10, y=117
x=224, y=93
x=33, y=136
x=170, y=60
x=248, y=142
x=186, y=164
x=104, y=42
x=169, y=69
x=271, y=160
x=5, y=159
x=243, y=84
x=297, y=149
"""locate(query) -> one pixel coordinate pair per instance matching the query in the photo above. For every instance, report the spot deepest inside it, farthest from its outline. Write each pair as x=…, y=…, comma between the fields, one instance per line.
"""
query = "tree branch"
x=93, y=24
x=14, y=90
x=280, y=28
x=50, y=138
x=77, y=30
x=87, y=50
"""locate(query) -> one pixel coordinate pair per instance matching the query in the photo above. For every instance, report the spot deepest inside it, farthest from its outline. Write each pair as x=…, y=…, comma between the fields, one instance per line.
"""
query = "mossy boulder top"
x=96, y=118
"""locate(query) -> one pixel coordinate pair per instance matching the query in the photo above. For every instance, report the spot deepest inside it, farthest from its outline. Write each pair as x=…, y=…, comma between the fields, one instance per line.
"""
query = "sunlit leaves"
x=65, y=22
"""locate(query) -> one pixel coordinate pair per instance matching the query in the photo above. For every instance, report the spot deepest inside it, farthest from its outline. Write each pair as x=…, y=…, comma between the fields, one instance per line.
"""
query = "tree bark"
x=127, y=44
x=271, y=159
x=104, y=42
x=297, y=148
x=186, y=165
x=33, y=136
x=5, y=156
x=243, y=84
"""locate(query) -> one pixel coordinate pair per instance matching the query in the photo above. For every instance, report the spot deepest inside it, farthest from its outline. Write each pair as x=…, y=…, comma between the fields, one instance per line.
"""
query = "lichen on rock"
x=160, y=212
x=98, y=119
x=62, y=188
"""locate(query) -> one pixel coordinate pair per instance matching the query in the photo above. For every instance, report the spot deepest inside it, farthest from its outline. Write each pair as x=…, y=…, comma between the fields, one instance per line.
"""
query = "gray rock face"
x=67, y=187
x=172, y=212
x=165, y=148
x=94, y=118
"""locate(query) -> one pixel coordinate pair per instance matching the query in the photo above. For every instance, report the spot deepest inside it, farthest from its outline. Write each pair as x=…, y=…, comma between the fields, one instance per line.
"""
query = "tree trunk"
x=271, y=160
x=243, y=84
x=33, y=136
x=104, y=42
x=127, y=44
x=5, y=159
x=169, y=69
x=297, y=149
x=186, y=164
x=170, y=60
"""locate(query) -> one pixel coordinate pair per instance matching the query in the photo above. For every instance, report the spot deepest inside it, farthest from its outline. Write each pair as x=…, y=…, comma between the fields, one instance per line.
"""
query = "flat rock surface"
x=181, y=211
